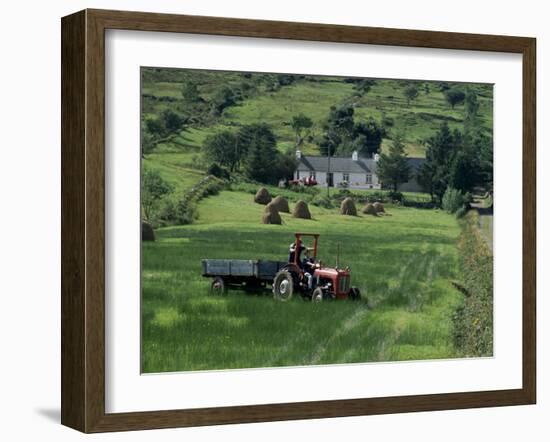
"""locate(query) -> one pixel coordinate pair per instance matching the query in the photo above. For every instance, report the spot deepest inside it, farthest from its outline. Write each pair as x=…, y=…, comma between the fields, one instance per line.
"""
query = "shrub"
x=453, y=199
x=396, y=196
x=186, y=212
x=168, y=213
x=473, y=321
x=377, y=195
x=218, y=171
x=323, y=201
x=210, y=188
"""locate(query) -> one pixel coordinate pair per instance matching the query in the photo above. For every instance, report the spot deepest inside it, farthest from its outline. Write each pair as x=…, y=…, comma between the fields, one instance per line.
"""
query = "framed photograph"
x=268, y=221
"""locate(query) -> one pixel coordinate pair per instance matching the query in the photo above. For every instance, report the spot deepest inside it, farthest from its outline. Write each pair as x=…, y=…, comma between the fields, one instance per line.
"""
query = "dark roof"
x=337, y=164
x=346, y=164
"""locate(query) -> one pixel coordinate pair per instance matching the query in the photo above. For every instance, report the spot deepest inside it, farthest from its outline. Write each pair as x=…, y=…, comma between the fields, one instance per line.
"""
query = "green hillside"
x=263, y=99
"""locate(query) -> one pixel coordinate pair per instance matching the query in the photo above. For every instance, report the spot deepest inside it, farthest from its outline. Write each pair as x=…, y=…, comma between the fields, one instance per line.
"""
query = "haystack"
x=271, y=208
x=271, y=215
x=348, y=207
x=281, y=204
x=379, y=207
x=369, y=209
x=262, y=196
x=147, y=232
x=301, y=210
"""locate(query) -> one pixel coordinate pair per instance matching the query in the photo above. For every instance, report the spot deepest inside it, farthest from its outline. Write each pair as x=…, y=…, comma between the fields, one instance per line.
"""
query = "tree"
x=148, y=143
x=425, y=177
x=340, y=119
x=172, y=121
x=363, y=85
x=153, y=189
x=262, y=154
x=155, y=127
x=478, y=145
x=223, y=148
x=393, y=168
x=329, y=142
x=190, y=92
x=435, y=173
x=368, y=137
x=285, y=79
x=471, y=112
x=411, y=93
x=225, y=97
x=464, y=172
x=300, y=123
x=338, y=130
x=454, y=96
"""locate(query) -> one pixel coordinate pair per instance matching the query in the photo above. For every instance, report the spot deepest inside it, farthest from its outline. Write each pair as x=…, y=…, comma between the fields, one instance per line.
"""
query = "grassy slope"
x=403, y=262
x=417, y=121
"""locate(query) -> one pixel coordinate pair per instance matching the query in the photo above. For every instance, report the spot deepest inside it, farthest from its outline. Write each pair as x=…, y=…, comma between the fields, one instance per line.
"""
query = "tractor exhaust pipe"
x=337, y=255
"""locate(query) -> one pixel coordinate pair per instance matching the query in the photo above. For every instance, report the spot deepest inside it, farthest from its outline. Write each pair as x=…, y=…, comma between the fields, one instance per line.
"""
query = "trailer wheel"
x=355, y=294
x=317, y=295
x=283, y=286
x=218, y=286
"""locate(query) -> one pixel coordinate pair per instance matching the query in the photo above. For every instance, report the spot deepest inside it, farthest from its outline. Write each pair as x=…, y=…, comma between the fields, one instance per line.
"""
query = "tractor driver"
x=296, y=253
x=309, y=266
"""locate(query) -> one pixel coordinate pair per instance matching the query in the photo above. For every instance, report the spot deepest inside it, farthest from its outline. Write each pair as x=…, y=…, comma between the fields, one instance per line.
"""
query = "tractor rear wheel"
x=355, y=294
x=317, y=295
x=218, y=286
x=283, y=286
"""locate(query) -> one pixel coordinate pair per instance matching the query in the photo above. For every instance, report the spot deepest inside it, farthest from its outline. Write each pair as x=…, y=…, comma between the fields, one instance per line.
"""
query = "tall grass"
x=402, y=262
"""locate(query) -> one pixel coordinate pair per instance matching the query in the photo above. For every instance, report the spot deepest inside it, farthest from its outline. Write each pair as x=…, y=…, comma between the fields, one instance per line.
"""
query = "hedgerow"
x=473, y=321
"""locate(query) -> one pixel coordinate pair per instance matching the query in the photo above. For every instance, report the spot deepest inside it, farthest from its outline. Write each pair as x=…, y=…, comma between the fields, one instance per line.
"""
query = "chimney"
x=354, y=156
x=376, y=157
x=298, y=154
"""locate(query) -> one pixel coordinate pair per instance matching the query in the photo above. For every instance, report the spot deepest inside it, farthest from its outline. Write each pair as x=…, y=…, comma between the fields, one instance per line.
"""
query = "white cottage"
x=356, y=172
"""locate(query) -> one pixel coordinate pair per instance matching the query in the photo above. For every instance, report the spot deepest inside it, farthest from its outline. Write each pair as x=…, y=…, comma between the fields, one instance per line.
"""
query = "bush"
x=186, y=212
x=453, y=199
x=323, y=201
x=218, y=171
x=210, y=188
x=379, y=196
x=460, y=213
x=396, y=196
x=387, y=121
x=473, y=321
x=168, y=213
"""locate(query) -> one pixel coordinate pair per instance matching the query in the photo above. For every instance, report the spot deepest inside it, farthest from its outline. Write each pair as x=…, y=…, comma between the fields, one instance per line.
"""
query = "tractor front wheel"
x=283, y=286
x=218, y=286
x=355, y=294
x=317, y=295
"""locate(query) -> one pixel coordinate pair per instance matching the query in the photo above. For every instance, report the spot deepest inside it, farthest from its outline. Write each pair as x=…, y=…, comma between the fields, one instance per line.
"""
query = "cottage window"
x=345, y=177
x=368, y=178
x=297, y=174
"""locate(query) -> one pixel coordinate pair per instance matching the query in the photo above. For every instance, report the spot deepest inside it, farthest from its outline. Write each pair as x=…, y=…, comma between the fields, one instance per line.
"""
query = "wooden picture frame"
x=83, y=220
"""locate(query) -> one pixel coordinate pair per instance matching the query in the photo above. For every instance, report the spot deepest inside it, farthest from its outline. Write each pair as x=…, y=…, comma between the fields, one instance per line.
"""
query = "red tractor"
x=310, y=278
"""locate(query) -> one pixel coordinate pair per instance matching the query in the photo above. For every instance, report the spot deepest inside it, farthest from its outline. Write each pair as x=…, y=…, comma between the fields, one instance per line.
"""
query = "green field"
x=403, y=262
